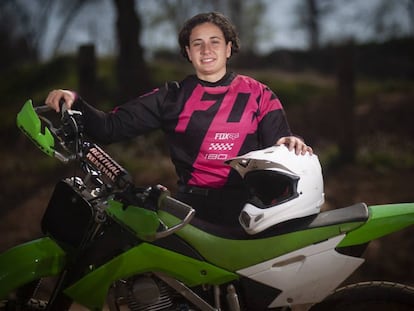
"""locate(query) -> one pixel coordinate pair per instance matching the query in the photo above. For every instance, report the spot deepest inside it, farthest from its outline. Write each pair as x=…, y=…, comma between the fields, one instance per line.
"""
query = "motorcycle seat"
x=354, y=213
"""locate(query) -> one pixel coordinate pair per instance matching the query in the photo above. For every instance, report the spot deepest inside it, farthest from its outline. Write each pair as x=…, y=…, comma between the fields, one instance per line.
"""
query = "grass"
x=294, y=89
x=368, y=88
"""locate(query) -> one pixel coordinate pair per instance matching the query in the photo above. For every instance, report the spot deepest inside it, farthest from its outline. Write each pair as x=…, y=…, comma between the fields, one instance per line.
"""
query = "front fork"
x=58, y=301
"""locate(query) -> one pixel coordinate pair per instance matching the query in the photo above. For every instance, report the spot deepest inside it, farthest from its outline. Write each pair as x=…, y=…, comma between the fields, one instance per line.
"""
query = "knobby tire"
x=369, y=296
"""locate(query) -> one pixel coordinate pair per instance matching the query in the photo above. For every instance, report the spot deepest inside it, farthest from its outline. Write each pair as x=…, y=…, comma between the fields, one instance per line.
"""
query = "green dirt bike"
x=110, y=245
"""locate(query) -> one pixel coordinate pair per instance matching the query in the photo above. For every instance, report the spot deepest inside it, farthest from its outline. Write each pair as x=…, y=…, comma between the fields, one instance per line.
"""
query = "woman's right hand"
x=54, y=97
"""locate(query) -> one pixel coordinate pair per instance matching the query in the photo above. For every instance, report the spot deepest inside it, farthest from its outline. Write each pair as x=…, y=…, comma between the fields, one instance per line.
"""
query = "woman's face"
x=208, y=52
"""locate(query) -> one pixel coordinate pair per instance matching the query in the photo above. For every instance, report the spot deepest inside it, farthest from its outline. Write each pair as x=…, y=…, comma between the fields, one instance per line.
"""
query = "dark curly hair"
x=215, y=18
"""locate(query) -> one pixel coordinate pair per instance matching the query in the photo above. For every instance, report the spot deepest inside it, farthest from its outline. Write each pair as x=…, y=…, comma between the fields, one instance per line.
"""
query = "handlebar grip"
x=42, y=109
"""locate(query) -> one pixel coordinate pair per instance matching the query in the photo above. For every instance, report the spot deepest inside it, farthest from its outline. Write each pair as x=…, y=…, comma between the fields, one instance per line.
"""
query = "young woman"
x=207, y=118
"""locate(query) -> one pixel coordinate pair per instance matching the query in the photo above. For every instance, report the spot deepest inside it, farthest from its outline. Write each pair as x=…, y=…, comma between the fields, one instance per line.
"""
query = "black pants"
x=218, y=206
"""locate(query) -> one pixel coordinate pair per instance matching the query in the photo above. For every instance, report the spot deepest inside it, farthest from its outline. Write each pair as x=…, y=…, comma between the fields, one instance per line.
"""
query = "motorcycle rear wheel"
x=366, y=296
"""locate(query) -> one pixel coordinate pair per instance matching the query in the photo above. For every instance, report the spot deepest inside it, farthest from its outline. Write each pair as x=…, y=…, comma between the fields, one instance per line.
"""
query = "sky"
x=95, y=24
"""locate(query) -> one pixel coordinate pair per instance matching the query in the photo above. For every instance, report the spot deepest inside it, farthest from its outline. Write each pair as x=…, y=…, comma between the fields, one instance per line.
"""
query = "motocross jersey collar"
x=226, y=80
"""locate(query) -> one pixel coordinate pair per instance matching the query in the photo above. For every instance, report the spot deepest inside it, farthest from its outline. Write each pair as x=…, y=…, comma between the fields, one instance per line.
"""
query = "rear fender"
x=29, y=261
x=383, y=220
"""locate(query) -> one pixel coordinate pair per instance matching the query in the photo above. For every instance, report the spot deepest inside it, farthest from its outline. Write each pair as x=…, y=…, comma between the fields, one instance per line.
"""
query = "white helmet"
x=283, y=186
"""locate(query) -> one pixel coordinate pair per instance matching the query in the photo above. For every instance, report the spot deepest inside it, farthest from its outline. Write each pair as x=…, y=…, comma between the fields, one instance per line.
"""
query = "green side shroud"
x=28, y=262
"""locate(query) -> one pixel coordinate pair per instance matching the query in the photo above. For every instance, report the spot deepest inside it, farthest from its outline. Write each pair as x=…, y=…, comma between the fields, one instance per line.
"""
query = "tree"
x=133, y=76
x=132, y=73
x=313, y=24
x=29, y=23
x=18, y=34
x=69, y=14
x=246, y=15
x=345, y=73
x=310, y=17
x=387, y=18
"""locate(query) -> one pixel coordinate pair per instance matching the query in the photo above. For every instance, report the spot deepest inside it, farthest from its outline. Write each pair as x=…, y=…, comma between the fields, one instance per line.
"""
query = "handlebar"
x=65, y=141
x=42, y=109
x=102, y=172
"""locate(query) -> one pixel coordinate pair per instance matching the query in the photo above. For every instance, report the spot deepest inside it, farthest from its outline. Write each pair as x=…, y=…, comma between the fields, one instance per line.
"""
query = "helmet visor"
x=269, y=188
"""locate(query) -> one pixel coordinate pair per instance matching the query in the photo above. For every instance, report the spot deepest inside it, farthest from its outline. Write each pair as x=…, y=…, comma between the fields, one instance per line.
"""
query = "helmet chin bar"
x=283, y=186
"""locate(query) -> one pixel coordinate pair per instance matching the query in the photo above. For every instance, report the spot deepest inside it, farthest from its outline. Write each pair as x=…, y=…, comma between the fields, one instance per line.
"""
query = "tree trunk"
x=346, y=102
x=87, y=73
x=133, y=76
x=313, y=24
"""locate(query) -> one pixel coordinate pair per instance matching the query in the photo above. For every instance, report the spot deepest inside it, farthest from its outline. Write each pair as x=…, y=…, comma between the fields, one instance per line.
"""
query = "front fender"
x=29, y=261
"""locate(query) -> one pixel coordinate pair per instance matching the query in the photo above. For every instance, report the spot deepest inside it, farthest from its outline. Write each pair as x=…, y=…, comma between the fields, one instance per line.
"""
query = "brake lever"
x=67, y=115
x=43, y=109
x=63, y=108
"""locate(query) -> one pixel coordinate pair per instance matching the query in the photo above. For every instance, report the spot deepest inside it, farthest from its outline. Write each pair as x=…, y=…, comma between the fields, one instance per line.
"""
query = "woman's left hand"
x=293, y=142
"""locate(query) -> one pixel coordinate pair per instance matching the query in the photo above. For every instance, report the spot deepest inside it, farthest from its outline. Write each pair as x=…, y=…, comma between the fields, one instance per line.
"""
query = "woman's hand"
x=54, y=97
x=293, y=142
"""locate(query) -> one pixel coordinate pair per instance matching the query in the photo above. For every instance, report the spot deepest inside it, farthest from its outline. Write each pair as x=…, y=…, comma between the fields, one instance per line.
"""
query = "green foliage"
x=37, y=79
x=294, y=90
x=292, y=93
x=33, y=81
x=106, y=74
x=328, y=155
x=163, y=71
x=367, y=89
x=381, y=152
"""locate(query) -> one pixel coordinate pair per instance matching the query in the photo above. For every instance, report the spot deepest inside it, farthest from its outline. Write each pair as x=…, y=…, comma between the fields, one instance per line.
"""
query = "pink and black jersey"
x=204, y=123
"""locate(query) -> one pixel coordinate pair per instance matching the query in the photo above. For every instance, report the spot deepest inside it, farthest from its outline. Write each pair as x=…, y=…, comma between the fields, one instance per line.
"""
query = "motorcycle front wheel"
x=34, y=296
x=365, y=296
x=23, y=299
